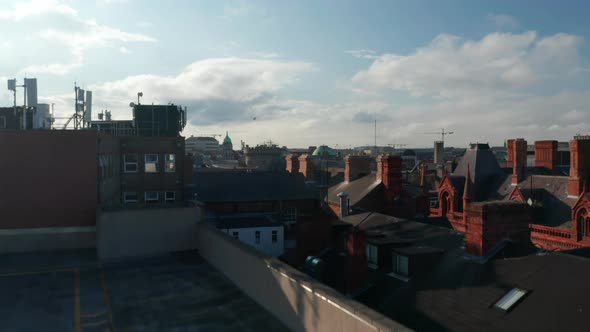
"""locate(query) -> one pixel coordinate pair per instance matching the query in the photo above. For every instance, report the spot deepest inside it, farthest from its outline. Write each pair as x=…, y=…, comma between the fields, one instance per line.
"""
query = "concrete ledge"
x=41, y=239
x=300, y=302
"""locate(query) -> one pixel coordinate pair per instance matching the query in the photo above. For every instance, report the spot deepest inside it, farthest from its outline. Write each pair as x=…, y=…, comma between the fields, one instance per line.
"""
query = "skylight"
x=508, y=300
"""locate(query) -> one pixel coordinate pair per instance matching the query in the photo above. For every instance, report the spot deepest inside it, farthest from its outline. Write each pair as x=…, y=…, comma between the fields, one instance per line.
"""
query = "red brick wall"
x=356, y=166
x=48, y=178
x=579, y=165
x=546, y=154
x=489, y=223
x=519, y=160
x=292, y=163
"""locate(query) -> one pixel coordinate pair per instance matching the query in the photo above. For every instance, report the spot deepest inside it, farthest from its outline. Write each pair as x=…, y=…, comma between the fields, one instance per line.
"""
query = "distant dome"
x=409, y=153
x=227, y=140
x=324, y=150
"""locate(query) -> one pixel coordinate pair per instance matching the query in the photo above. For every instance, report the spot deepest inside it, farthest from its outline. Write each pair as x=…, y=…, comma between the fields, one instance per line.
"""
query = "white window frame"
x=145, y=196
x=2, y=122
x=130, y=163
x=127, y=200
x=146, y=163
x=170, y=199
x=402, y=265
x=257, y=237
x=274, y=236
x=168, y=162
x=290, y=215
x=372, y=256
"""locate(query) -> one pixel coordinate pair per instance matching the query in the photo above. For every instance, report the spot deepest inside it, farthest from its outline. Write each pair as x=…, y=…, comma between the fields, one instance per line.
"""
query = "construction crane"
x=212, y=135
x=442, y=134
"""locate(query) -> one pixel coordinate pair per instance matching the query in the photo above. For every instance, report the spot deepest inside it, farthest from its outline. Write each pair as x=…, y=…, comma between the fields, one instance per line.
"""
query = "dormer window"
x=372, y=256
x=401, y=265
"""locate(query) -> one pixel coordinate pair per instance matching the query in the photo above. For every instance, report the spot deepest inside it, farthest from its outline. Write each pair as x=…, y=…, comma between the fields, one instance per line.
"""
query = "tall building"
x=227, y=148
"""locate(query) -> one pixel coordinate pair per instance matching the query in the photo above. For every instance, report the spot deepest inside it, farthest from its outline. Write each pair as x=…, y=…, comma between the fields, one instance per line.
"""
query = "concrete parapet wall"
x=132, y=233
x=300, y=302
x=51, y=238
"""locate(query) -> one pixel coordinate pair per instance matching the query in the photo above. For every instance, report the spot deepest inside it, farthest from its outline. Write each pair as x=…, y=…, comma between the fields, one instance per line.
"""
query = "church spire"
x=467, y=189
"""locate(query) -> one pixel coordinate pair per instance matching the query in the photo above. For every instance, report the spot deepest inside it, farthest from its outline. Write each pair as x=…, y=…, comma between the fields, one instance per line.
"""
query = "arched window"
x=582, y=223
x=445, y=203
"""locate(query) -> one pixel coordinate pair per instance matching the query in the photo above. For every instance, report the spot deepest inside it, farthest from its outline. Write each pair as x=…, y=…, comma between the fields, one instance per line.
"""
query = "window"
x=2, y=122
x=257, y=236
x=170, y=196
x=170, y=163
x=236, y=235
x=151, y=196
x=372, y=260
x=151, y=163
x=290, y=215
x=274, y=236
x=130, y=163
x=401, y=265
x=510, y=299
x=130, y=197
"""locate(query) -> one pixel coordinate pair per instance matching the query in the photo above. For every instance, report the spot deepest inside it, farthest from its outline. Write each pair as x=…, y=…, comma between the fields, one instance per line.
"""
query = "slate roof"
x=484, y=169
x=384, y=229
x=356, y=190
x=459, y=295
x=551, y=192
x=244, y=186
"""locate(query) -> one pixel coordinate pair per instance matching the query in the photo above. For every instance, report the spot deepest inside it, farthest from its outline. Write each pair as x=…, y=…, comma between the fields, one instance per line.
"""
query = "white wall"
x=248, y=236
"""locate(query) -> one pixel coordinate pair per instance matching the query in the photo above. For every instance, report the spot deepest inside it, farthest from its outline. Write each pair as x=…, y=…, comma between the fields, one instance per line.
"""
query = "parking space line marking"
x=107, y=300
x=18, y=274
x=95, y=324
x=94, y=314
x=77, y=301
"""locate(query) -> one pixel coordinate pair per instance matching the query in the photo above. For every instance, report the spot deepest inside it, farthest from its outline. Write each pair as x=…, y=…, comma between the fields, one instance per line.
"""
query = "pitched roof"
x=484, y=168
x=384, y=229
x=243, y=186
x=356, y=190
x=551, y=192
x=459, y=295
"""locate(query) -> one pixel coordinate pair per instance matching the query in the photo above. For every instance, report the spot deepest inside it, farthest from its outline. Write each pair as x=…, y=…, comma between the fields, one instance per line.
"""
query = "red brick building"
x=554, y=208
x=382, y=191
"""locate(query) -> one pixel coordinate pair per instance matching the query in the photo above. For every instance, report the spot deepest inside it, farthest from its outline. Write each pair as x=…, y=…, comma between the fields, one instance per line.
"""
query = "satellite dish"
x=131, y=104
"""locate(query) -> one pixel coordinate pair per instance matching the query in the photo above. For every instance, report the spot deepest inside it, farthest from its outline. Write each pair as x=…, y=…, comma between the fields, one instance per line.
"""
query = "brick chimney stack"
x=306, y=166
x=389, y=171
x=356, y=167
x=510, y=153
x=519, y=147
x=579, y=164
x=292, y=163
x=546, y=154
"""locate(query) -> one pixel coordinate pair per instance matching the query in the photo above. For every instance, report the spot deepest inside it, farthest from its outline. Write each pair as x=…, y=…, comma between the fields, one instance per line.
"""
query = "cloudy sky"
x=316, y=72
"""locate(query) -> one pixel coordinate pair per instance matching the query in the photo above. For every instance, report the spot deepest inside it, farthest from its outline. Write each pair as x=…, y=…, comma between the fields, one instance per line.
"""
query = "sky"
x=303, y=73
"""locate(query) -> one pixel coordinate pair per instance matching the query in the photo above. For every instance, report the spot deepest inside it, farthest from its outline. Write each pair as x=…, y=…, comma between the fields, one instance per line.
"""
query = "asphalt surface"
x=71, y=291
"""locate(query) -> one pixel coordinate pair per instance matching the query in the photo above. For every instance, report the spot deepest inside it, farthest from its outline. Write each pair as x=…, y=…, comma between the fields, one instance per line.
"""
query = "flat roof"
x=70, y=291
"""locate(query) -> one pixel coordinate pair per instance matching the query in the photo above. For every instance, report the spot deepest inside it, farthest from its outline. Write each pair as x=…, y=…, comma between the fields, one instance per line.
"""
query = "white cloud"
x=499, y=63
x=36, y=8
x=124, y=50
x=363, y=54
x=503, y=21
x=82, y=35
x=218, y=89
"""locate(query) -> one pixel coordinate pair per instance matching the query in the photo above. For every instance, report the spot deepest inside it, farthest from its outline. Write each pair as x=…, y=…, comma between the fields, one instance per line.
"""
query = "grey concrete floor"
x=71, y=291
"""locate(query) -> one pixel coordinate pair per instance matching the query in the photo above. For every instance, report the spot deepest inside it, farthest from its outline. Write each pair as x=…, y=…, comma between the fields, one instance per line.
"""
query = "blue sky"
x=316, y=72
